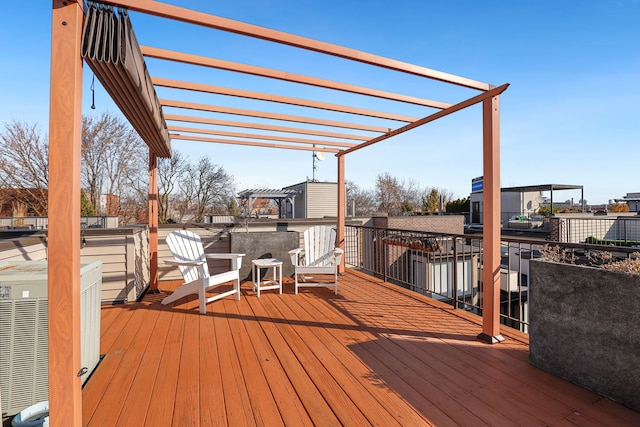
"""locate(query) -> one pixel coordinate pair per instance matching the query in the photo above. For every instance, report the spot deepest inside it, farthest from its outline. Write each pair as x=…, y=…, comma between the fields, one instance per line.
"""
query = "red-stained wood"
x=153, y=221
x=154, y=52
x=265, y=410
x=135, y=408
x=65, y=392
x=186, y=410
x=262, y=126
x=373, y=354
x=342, y=211
x=113, y=400
x=158, y=81
x=491, y=219
x=163, y=392
x=236, y=395
x=212, y=404
x=287, y=400
x=193, y=17
x=318, y=409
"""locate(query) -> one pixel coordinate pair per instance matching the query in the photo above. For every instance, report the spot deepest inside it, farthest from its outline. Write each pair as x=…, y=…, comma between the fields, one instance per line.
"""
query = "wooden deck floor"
x=372, y=355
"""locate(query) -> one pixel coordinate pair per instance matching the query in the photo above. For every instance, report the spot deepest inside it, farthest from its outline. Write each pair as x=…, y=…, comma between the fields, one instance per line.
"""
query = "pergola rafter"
x=175, y=84
x=151, y=52
x=252, y=143
x=163, y=10
x=260, y=136
x=262, y=126
x=269, y=115
x=65, y=125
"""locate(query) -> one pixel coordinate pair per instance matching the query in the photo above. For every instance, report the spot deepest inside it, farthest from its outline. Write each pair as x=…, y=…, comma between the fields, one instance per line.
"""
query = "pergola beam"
x=247, y=125
x=187, y=58
x=164, y=10
x=252, y=143
x=218, y=90
x=268, y=115
x=259, y=136
x=491, y=221
x=457, y=107
x=63, y=289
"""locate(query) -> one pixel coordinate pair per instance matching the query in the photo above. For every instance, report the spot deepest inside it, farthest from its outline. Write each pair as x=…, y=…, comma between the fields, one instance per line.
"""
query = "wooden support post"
x=491, y=222
x=341, y=211
x=153, y=222
x=65, y=139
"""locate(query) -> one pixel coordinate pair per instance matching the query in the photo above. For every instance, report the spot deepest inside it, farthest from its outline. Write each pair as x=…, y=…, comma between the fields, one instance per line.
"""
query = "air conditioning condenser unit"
x=24, y=376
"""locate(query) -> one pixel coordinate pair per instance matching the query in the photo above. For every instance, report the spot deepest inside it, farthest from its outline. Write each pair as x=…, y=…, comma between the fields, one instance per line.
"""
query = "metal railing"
x=618, y=231
x=449, y=267
x=42, y=222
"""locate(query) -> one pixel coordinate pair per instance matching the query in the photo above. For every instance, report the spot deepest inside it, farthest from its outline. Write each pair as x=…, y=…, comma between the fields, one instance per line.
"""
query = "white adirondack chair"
x=189, y=256
x=319, y=256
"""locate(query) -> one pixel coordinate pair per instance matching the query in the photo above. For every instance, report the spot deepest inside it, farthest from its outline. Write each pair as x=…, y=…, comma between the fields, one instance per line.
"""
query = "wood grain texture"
x=374, y=354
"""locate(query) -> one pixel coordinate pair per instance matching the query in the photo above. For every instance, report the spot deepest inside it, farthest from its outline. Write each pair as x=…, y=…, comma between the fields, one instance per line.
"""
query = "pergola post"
x=491, y=222
x=65, y=139
x=341, y=211
x=153, y=222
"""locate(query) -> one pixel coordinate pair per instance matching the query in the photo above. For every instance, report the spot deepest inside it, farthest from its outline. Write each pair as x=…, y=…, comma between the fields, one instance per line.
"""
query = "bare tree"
x=409, y=195
x=394, y=196
x=114, y=161
x=206, y=188
x=360, y=201
x=24, y=166
x=171, y=172
x=388, y=193
x=93, y=133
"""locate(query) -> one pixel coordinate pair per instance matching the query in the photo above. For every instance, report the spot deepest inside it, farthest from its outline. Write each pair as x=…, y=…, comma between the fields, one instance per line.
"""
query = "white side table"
x=275, y=283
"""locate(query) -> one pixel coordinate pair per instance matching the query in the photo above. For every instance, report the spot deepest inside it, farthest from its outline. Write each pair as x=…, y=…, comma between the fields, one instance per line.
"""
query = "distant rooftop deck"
x=374, y=354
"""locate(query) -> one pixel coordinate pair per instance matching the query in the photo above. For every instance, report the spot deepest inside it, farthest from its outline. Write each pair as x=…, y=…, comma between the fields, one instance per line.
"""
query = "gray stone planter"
x=267, y=244
x=585, y=327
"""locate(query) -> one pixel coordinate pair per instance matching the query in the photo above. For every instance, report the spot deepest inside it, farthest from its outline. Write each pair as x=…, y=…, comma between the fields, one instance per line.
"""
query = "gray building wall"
x=316, y=199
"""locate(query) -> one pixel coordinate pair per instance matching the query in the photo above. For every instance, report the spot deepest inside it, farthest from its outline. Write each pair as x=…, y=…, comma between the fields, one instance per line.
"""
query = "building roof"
x=542, y=187
x=265, y=193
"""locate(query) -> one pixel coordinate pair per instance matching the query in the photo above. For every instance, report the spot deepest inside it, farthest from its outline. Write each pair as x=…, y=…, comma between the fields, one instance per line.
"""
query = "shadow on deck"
x=373, y=354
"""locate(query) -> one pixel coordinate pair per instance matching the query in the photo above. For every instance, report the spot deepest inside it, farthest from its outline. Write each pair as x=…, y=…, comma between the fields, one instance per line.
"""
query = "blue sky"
x=570, y=116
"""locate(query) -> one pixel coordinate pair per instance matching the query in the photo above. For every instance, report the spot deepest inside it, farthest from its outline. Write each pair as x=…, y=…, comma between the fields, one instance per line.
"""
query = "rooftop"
x=374, y=354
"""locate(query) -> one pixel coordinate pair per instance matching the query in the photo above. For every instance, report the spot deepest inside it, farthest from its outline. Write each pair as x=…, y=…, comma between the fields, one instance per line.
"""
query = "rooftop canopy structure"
x=249, y=197
x=103, y=34
x=547, y=187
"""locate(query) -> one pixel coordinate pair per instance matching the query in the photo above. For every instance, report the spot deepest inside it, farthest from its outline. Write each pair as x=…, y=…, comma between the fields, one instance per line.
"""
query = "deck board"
x=373, y=355
x=138, y=400
x=307, y=391
x=163, y=386
x=283, y=393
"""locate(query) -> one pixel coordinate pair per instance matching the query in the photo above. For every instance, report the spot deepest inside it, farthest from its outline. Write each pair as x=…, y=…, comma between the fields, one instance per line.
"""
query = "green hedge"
x=611, y=242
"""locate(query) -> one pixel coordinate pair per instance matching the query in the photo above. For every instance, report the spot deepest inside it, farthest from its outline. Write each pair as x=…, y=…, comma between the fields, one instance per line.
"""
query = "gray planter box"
x=268, y=244
x=585, y=327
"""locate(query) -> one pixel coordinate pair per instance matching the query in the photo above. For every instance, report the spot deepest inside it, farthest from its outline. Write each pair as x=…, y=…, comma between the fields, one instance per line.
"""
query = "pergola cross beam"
x=259, y=136
x=153, y=52
x=176, y=84
x=262, y=126
x=253, y=143
x=457, y=107
x=269, y=115
x=168, y=11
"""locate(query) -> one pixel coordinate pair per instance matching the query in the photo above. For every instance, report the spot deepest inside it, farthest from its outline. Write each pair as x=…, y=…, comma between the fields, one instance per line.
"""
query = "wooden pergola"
x=67, y=60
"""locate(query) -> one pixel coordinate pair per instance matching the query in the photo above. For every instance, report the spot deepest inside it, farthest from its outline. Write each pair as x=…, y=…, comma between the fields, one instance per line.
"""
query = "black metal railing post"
x=455, y=272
